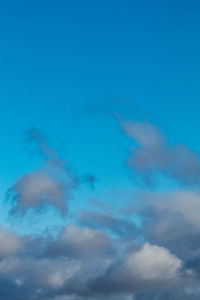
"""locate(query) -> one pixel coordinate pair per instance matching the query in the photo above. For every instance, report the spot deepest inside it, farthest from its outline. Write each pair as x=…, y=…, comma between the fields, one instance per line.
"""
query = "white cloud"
x=152, y=263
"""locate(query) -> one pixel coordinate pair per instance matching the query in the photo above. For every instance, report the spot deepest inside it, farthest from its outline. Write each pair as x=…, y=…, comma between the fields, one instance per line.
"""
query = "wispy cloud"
x=51, y=185
x=153, y=155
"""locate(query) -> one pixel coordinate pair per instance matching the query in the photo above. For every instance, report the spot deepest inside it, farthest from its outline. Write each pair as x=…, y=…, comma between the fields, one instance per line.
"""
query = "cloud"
x=115, y=297
x=154, y=155
x=37, y=190
x=50, y=185
x=38, y=275
x=185, y=202
x=35, y=138
x=170, y=219
x=152, y=263
x=106, y=256
x=80, y=242
x=151, y=266
x=116, y=225
x=84, y=269
x=10, y=243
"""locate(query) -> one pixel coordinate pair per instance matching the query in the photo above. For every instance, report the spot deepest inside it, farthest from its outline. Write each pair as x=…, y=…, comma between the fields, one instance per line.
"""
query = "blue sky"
x=76, y=72
x=60, y=62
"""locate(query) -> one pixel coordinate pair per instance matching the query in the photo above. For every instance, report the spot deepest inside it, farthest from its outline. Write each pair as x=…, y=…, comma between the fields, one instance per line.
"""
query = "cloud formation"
x=171, y=219
x=50, y=185
x=79, y=242
x=116, y=225
x=154, y=155
x=104, y=255
x=78, y=265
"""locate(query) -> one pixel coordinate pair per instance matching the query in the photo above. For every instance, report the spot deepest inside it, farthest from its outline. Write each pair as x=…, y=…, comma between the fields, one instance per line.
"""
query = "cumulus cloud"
x=171, y=219
x=154, y=154
x=36, y=275
x=152, y=263
x=151, y=266
x=70, y=274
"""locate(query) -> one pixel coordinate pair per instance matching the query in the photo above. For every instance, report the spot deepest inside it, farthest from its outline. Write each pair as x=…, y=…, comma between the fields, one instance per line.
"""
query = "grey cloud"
x=171, y=219
x=117, y=225
x=77, y=242
x=180, y=293
x=50, y=185
x=128, y=270
x=38, y=190
x=10, y=243
x=46, y=276
x=154, y=155
x=108, y=297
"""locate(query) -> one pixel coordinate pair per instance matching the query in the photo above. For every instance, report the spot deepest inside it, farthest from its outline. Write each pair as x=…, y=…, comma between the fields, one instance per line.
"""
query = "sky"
x=100, y=150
